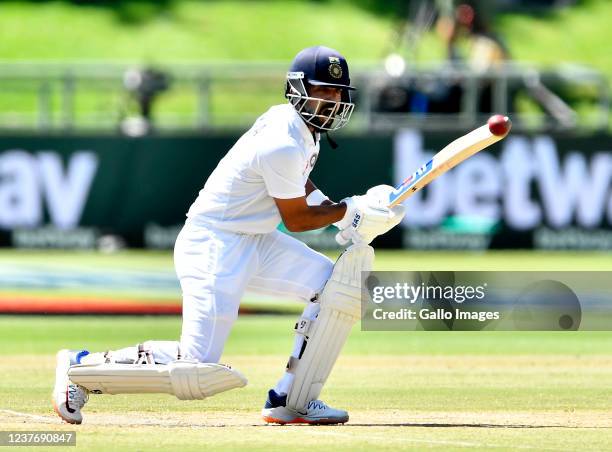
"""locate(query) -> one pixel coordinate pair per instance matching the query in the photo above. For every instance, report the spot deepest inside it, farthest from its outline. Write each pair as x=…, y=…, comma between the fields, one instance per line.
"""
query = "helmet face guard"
x=322, y=114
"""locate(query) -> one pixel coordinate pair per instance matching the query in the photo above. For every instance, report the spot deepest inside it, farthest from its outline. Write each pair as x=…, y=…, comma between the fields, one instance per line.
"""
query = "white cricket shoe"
x=68, y=398
x=316, y=412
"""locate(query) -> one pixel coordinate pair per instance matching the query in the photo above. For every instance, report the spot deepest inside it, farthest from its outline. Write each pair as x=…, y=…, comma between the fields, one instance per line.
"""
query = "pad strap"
x=302, y=326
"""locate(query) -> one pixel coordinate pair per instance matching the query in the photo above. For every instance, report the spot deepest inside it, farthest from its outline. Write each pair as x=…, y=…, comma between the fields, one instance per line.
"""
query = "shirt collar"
x=305, y=133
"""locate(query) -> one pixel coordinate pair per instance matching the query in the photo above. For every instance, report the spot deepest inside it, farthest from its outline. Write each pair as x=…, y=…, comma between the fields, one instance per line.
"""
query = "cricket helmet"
x=320, y=66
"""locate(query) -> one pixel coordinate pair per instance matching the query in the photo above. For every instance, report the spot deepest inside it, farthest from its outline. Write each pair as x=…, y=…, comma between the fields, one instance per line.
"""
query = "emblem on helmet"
x=335, y=70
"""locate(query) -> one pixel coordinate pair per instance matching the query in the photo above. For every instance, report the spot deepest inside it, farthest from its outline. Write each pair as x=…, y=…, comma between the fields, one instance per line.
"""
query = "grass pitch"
x=434, y=390
x=403, y=390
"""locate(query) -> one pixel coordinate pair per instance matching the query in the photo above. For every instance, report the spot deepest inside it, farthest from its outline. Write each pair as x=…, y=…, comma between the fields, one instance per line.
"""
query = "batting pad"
x=340, y=309
x=187, y=380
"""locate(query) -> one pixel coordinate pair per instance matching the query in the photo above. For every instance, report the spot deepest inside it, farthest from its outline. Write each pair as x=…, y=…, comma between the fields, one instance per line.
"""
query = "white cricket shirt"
x=272, y=160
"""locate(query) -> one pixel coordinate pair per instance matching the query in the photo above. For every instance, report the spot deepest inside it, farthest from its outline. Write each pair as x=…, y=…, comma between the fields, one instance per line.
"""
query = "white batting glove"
x=353, y=212
x=378, y=196
x=369, y=230
x=367, y=216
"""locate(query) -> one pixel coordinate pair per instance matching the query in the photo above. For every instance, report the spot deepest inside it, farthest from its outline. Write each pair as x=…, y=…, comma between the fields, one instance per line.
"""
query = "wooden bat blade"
x=449, y=157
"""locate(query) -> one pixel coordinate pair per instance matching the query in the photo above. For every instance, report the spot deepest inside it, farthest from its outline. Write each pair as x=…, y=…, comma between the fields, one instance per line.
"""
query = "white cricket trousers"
x=216, y=267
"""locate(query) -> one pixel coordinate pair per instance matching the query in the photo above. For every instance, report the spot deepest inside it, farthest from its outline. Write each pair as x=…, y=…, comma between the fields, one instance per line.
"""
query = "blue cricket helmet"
x=320, y=66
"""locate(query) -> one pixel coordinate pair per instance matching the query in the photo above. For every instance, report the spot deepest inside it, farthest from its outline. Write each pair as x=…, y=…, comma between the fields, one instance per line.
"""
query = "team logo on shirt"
x=313, y=160
x=311, y=163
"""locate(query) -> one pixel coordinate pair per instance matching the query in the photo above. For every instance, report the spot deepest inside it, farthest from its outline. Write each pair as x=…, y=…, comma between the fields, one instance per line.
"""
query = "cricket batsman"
x=230, y=244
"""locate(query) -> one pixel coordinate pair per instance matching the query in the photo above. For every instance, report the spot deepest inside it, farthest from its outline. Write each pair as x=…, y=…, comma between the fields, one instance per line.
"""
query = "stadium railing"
x=101, y=97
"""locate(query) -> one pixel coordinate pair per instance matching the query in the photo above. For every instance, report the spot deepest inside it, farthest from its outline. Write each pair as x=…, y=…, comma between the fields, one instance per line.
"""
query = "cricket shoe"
x=316, y=412
x=68, y=398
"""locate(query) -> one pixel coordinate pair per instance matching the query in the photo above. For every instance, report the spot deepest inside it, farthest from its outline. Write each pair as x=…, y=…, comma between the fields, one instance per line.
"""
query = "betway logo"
x=528, y=185
x=29, y=182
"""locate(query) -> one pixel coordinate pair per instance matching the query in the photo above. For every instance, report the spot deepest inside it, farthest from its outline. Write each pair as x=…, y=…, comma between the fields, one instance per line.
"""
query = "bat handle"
x=395, y=202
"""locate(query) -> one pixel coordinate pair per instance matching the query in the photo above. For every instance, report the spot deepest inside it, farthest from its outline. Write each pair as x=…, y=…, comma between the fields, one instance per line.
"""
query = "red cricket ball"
x=499, y=125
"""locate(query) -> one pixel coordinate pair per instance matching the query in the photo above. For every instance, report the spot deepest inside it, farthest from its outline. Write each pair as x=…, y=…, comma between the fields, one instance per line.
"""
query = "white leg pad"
x=340, y=309
x=187, y=380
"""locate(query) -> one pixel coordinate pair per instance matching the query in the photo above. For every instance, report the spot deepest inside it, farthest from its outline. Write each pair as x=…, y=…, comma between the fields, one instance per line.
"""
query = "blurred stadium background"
x=113, y=113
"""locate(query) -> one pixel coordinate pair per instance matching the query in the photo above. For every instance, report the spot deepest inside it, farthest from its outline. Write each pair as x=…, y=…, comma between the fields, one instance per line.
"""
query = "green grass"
x=57, y=266
x=404, y=390
x=441, y=391
x=189, y=30
x=46, y=335
x=578, y=34
x=385, y=260
x=249, y=31
x=257, y=30
x=159, y=264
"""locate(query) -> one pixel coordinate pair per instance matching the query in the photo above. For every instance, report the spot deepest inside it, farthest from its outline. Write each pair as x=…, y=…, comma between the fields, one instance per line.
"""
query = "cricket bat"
x=496, y=128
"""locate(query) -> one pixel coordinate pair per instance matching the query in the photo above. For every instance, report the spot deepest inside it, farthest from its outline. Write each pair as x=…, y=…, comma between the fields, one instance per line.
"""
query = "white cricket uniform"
x=230, y=244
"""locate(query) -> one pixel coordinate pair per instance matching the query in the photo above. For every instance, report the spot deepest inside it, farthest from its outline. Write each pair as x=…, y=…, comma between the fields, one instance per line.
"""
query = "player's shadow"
x=436, y=425
x=463, y=425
